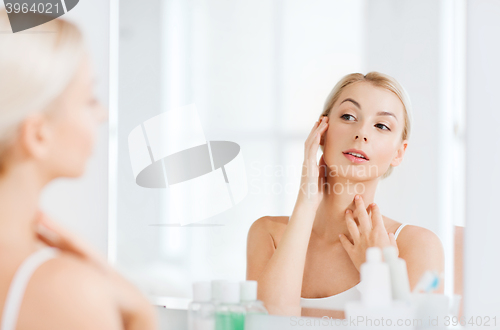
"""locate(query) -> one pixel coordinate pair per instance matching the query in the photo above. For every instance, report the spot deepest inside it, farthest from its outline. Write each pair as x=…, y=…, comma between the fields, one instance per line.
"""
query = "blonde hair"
x=35, y=67
x=380, y=80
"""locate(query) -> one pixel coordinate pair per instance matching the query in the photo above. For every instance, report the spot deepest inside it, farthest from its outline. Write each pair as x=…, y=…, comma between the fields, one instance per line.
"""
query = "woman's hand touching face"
x=313, y=174
x=370, y=232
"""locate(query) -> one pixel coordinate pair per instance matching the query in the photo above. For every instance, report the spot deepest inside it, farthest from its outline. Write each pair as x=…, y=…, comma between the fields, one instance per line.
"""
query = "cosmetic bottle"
x=432, y=308
x=376, y=296
x=217, y=291
x=400, y=284
x=248, y=298
x=201, y=311
x=229, y=313
x=375, y=279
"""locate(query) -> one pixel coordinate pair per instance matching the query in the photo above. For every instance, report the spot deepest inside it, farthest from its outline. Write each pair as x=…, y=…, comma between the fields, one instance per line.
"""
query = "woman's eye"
x=385, y=129
x=346, y=114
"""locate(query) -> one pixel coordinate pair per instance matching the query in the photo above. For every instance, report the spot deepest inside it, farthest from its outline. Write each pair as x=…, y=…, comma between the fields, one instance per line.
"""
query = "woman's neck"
x=338, y=197
x=20, y=190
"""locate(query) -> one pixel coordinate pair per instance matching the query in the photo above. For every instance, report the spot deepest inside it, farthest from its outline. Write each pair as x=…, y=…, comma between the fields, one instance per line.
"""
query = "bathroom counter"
x=176, y=319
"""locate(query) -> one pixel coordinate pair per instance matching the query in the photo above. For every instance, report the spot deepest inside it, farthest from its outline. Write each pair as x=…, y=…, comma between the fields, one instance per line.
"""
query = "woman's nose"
x=362, y=133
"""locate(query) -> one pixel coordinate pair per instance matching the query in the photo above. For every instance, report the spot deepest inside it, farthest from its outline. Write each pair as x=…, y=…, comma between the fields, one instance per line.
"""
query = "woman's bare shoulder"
x=422, y=250
x=272, y=225
x=412, y=235
x=272, y=220
x=67, y=292
x=391, y=225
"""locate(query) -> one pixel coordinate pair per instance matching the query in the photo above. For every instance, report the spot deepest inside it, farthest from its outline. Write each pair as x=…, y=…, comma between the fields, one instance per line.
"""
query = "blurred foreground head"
x=48, y=112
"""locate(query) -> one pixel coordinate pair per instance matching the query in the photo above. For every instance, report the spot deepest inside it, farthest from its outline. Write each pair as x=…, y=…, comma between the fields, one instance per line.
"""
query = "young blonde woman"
x=50, y=278
x=308, y=264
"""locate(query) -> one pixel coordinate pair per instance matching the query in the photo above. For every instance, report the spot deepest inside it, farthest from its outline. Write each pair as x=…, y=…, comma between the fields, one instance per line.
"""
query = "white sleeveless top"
x=339, y=300
x=19, y=283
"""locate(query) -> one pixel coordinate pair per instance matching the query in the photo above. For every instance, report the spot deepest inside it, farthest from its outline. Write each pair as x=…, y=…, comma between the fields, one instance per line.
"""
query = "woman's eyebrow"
x=380, y=113
x=351, y=100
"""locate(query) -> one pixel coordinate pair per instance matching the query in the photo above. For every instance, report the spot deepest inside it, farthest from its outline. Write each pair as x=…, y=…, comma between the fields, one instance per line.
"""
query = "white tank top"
x=19, y=283
x=339, y=300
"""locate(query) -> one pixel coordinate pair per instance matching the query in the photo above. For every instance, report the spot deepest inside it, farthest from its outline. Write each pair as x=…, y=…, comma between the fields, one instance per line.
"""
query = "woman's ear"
x=322, y=143
x=35, y=136
x=400, y=154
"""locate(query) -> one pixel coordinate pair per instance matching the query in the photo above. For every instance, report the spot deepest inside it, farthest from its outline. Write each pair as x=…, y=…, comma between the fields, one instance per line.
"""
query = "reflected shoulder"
x=418, y=240
x=272, y=225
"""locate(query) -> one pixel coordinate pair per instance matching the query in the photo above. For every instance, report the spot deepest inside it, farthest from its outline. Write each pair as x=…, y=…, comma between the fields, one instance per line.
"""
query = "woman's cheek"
x=337, y=134
x=83, y=142
x=383, y=158
x=335, y=139
x=88, y=137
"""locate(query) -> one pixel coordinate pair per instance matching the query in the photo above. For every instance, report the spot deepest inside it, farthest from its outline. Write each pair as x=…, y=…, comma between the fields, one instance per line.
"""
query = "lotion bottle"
x=201, y=311
x=400, y=284
x=248, y=293
x=217, y=291
x=229, y=313
x=375, y=276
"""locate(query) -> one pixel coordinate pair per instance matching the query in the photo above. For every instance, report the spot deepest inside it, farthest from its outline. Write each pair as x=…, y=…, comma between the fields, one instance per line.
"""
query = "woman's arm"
x=279, y=274
x=422, y=250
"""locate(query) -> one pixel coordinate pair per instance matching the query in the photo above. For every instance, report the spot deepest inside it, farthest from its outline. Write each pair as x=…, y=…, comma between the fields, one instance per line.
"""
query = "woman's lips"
x=355, y=159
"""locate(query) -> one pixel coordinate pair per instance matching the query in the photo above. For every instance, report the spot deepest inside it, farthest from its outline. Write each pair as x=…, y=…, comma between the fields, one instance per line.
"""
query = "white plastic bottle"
x=201, y=311
x=217, y=291
x=375, y=276
x=229, y=313
x=248, y=298
x=400, y=284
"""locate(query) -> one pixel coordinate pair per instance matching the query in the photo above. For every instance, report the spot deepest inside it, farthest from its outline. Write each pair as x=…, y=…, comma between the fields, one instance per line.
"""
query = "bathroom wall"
x=409, y=30
x=482, y=269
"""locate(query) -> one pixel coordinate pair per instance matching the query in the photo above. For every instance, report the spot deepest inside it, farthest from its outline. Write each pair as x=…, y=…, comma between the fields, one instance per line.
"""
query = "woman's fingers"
x=312, y=142
x=321, y=175
x=392, y=239
x=376, y=217
x=346, y=244
x=314, y=130
x=56, y=236
x=323, y=168
x=315, y=126
x=363, y=218
x=352, y=226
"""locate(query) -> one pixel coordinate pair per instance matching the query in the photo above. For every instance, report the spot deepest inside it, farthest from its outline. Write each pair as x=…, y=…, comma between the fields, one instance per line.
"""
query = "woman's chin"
x=74, y=172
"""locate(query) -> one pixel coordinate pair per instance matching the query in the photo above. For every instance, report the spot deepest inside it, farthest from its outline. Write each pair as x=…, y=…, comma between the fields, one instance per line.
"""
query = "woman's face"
x=72, y=124
x=360, y=120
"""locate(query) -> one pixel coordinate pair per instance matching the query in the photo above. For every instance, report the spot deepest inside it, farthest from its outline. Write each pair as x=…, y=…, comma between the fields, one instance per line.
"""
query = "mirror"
x=256, y=74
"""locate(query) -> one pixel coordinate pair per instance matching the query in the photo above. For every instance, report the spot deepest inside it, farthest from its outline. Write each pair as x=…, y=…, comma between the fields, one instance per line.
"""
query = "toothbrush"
x=428, y=282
